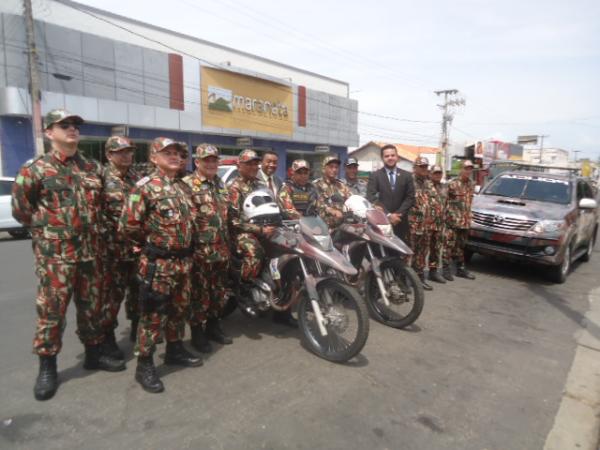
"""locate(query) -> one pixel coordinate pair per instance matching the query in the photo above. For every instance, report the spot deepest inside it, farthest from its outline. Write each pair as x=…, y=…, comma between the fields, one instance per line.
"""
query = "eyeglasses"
x=67, y=125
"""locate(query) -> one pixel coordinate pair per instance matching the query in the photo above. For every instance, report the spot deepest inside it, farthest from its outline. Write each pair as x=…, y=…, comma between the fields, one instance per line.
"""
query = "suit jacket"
x=398, y=200
x=262, y=178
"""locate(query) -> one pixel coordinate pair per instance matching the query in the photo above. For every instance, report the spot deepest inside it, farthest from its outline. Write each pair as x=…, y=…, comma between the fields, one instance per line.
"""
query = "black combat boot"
x=177, y=355
x=424, y=283
x=110, y=347
x=46, y=383
x=285, y=318
x=145, y=374
x=133, y=331
x=447, y=273
x=95, y=359
x=434, y=275
x=215, y=332
x=199, y=340
x=462, y=272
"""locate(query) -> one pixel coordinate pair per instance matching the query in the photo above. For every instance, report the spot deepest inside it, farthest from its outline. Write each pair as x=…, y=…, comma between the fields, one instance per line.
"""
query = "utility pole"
x=447, y=117
x=542, y=136
x=34, y=81
x=576, y=154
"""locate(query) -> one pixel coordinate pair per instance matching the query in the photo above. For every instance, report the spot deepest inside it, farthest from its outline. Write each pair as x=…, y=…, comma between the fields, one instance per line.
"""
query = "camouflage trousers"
x=252, y=254
x=419, y=243
x=172, y=284
x=119, y=283
x=436, y=247
x=454, y=249
x=209, y=290
x=58, y=282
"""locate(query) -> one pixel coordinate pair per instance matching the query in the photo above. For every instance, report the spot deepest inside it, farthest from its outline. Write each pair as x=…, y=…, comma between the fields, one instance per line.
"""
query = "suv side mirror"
x=588, y=203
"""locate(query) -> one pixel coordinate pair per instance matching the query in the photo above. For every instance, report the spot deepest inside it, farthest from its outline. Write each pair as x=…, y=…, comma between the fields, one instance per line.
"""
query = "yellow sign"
x=232, y=100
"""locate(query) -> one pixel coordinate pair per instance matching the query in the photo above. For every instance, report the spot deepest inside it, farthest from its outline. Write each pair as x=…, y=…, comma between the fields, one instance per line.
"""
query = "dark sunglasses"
x=67, y=125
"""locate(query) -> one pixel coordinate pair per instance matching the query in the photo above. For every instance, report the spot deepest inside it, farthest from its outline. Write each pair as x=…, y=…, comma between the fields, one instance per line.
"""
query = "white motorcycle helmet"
x=358, y=206
x=260, y=207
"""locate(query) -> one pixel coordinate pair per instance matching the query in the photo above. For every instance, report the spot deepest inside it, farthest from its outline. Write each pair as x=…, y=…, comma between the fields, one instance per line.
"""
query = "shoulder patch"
x=142, y=181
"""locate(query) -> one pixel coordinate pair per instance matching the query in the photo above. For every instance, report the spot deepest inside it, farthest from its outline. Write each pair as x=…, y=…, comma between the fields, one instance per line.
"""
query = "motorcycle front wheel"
x=346, y=321
x=404, y=292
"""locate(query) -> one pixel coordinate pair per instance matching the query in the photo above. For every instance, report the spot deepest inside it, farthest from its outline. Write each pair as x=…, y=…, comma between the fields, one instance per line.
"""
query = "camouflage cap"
x=420, y=161
x=467, y=163
x=331, y=158
x=206, y=150
x=436, y=169
x=60, y=115
x=300, y=164
x=351, y=162
x=248, y=155
x=160, y=143
x=118, y=143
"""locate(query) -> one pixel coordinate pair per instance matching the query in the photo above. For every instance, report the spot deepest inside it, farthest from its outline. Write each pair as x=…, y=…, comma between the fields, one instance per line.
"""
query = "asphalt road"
x=483, y=368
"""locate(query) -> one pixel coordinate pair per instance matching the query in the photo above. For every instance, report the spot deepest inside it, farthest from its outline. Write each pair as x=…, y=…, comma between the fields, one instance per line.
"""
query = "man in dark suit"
x=266, y=174
x=393, y=189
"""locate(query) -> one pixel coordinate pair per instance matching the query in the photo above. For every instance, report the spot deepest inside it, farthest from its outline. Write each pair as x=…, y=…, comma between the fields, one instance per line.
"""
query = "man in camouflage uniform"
x=247, y=235
x=419, y=218
x=355, y=184
x=298, y=196
x=211, y=249
x=458, y=222
x=438, y=215
x=57, y=196
x=159, y=217
x=332, y=193
x=119, y=262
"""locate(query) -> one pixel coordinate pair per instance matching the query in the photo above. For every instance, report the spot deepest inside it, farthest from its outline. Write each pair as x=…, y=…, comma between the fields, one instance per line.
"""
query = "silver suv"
x=536, y=217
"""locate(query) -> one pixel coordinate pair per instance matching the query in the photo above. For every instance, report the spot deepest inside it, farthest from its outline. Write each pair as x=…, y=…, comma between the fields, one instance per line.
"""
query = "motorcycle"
x=392, y=290
x=302, y=274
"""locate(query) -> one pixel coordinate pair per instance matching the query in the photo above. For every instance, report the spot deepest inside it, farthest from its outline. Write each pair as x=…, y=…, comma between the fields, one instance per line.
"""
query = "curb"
x=577, y=422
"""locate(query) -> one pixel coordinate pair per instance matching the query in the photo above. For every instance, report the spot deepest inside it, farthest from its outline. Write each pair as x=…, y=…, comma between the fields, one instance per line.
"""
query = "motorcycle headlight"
x=324, y=241
x=386, y=230
x=549, y=226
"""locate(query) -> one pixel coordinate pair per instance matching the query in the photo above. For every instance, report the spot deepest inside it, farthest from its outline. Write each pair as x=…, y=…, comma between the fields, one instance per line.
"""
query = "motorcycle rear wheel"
x=347, y=321
x=406, y=304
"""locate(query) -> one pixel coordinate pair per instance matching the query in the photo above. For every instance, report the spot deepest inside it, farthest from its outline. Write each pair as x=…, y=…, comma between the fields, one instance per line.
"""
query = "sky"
x=523, y=68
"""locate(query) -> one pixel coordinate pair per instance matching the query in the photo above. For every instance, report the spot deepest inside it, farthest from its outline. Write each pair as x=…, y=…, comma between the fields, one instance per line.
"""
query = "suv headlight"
x=549, y=226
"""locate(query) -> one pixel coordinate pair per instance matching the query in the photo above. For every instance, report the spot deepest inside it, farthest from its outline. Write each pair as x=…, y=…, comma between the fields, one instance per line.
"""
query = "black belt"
x=153, y=252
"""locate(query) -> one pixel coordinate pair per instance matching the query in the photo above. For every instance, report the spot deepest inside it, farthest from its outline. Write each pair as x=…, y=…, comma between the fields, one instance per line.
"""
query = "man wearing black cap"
x=392, y=189
x=355, y=184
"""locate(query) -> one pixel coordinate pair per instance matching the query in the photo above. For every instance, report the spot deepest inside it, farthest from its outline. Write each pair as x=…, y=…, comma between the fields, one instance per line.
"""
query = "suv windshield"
x=525, y=187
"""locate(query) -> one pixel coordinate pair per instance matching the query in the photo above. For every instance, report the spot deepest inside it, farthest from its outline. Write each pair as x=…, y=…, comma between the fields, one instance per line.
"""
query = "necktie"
x=392, y=179
x=271, y=185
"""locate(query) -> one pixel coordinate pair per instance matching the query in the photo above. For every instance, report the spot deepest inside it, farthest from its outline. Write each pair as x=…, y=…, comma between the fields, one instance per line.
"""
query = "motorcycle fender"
x=393, y=242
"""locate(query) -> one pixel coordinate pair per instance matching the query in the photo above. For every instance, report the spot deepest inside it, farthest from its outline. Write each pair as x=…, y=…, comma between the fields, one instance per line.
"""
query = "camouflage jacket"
x=210, y=198
x=438, y=207
x=295, y=200
x=116, y=190
x=59, y=198
x=358, y=187
x=420, y=214
x=238, y=191
x=327, y=191
x=460, y=197
x=159, y=212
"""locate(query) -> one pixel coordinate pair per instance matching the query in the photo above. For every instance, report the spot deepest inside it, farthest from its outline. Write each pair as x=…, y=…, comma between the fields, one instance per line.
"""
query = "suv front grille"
x=502, y=222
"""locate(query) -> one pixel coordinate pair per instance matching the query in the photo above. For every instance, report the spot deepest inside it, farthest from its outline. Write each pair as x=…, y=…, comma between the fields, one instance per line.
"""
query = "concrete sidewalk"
x=577, y=423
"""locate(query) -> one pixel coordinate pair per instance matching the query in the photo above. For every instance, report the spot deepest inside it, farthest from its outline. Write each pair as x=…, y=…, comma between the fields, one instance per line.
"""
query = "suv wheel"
x=559, y=273
x=590, y=249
